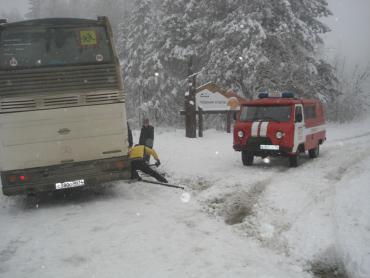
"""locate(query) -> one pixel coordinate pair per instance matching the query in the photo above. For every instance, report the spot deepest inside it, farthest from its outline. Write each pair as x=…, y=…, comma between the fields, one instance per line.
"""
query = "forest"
x=244, y=46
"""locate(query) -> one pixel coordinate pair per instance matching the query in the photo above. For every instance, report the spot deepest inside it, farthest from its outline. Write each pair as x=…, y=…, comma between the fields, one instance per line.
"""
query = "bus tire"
x=313, y=153
x=247, y=158
x=294, y=160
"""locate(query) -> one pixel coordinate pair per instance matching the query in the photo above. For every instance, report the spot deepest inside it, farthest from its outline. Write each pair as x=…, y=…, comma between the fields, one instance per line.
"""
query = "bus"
x=62, y=106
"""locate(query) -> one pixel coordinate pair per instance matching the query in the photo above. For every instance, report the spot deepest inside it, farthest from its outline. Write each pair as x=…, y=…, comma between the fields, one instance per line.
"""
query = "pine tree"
x=269, y=44
x=248, y=46
x=142, y=69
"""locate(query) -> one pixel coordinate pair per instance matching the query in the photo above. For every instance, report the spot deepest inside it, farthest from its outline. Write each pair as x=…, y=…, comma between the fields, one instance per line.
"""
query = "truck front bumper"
x=262, y=146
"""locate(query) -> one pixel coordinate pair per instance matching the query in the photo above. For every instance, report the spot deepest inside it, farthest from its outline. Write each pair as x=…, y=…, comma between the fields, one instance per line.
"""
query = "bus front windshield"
x=279, y=113
x=38, y=46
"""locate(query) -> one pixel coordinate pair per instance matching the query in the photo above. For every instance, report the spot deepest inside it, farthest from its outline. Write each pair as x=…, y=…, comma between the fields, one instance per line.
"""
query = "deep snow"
x=262, y=221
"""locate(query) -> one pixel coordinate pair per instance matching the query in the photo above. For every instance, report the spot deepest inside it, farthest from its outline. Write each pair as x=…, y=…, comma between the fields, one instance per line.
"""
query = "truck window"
x=278, y=113
x=298, y=114
x=310, y=111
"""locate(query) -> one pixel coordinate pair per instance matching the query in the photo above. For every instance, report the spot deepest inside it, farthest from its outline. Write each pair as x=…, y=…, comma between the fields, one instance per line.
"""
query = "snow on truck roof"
x=278, y=99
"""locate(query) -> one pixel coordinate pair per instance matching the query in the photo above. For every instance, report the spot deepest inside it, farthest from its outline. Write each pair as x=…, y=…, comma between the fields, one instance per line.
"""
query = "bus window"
x=48, y=46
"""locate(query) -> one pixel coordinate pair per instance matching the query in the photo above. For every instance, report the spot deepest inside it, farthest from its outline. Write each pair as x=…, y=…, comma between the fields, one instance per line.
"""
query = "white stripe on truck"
x=263, y=129
x=254, y=131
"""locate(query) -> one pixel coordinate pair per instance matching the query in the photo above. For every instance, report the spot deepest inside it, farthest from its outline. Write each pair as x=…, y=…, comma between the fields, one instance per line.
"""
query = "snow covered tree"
x=142, y=70
x=353, y=101
x=174, y=36
x=268, y=44
x=180, y=39
x=244, y=45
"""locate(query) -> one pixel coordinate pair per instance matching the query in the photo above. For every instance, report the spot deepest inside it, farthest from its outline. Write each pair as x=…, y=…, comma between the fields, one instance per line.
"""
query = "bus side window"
x=298, y=114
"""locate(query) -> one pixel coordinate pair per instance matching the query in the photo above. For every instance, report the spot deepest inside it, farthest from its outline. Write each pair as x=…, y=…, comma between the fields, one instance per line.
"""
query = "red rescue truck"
x=278, y=124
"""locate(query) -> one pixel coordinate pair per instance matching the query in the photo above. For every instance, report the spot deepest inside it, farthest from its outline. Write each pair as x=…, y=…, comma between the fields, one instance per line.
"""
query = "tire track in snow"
x=351, y=137
x=319, y=189
x=319, y=175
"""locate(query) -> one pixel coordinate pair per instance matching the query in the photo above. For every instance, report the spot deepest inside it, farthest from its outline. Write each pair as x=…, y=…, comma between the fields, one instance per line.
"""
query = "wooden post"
x=200, y=122
x=190, y=113
x=228, y=122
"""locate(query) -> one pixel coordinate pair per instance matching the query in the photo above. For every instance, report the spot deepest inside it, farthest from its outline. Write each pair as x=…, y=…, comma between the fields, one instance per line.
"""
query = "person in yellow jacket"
x=137, y=155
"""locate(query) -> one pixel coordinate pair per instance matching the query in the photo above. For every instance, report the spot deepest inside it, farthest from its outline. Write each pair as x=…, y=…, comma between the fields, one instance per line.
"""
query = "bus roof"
x=55, y=22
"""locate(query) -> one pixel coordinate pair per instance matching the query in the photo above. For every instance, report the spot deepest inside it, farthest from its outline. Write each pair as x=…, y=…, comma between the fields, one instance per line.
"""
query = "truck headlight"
x=240, y=133
x=279, y=135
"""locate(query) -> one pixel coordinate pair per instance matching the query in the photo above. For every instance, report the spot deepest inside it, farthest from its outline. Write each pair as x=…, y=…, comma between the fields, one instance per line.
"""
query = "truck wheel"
x=293, y=160
x=313, y=153
x=247, y=158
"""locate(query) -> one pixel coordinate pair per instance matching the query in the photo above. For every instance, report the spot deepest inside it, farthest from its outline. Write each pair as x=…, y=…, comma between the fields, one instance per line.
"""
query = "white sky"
x=8, y=5
x=350, y=36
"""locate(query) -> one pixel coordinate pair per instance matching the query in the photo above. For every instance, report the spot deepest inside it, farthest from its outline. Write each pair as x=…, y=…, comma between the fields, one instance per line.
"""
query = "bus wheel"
x=293, y=160
x=313, y=153
x=247, y=158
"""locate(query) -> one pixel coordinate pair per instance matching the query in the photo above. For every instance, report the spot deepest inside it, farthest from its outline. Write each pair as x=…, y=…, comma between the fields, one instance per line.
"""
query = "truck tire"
x=247, y=158
x=294, y=160
x=313, y=153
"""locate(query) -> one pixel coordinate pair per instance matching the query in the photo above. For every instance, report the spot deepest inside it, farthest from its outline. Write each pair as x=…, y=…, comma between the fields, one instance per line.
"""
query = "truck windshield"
x=265, y=113
x=39, y=46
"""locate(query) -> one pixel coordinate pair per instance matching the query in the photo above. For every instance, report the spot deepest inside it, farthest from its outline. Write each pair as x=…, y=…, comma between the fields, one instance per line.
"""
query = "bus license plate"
x=69, y=184
x=269, y=147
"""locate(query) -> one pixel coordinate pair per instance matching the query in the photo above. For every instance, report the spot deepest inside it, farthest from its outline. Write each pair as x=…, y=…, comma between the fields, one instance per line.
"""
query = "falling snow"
x=231, y=221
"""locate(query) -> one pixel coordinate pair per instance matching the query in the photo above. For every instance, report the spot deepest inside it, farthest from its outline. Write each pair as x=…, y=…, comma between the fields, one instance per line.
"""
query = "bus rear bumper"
x=65, y=176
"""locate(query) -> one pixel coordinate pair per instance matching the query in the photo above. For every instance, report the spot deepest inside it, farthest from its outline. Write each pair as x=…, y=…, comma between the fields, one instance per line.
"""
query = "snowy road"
x=261, y=221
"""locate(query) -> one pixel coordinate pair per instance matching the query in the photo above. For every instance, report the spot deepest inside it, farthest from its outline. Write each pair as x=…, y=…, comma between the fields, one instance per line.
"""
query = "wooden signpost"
x=208, y=99
x=190, y=114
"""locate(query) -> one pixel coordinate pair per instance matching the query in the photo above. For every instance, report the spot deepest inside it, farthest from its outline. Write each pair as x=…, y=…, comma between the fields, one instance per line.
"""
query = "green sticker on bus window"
x=88, y=38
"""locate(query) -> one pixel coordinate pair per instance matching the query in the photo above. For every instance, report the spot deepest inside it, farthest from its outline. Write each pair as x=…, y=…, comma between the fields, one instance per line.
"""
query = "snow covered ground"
x=231, y=221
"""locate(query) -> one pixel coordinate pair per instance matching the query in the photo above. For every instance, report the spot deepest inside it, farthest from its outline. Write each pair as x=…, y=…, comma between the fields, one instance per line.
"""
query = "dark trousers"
x=141, y=165
x=148, y=143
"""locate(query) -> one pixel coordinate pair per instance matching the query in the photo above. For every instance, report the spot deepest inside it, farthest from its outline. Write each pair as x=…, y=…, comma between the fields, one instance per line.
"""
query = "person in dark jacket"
x=137, y=155
x=129, y=136
x=147, y=136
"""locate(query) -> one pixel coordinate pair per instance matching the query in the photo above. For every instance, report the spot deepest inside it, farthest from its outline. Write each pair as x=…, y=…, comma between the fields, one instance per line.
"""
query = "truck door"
x=298, y=126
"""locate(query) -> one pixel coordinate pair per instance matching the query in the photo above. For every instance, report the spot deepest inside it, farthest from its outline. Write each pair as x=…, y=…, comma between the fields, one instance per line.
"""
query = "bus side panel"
x=51, y=137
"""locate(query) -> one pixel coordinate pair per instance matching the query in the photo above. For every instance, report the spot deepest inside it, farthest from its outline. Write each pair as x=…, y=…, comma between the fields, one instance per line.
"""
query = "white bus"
x=62, y=106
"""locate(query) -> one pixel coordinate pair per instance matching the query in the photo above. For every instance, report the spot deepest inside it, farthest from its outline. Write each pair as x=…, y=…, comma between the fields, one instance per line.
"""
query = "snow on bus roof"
x=53, y=21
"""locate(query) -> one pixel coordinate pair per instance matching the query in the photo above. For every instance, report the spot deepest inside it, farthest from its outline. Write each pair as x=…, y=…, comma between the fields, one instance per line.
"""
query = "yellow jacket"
x=139, y=151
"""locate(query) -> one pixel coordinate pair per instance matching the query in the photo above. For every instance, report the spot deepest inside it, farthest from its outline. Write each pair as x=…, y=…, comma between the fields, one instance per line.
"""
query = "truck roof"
x=279, y=101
